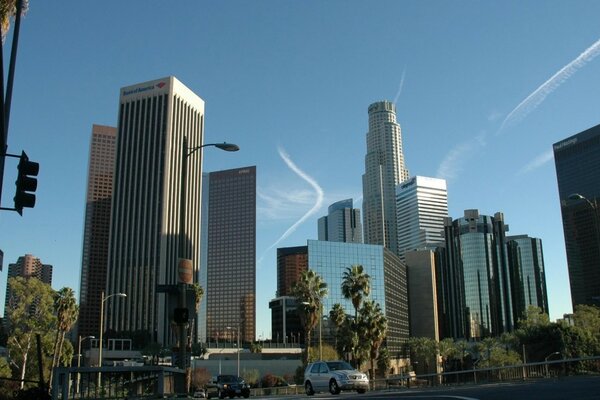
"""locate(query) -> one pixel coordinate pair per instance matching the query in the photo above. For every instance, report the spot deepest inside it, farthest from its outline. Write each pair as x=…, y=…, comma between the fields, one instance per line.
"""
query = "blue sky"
x=290, y=83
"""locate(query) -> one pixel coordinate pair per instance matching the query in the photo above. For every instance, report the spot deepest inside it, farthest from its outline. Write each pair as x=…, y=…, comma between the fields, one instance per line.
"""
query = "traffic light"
x=26, y=183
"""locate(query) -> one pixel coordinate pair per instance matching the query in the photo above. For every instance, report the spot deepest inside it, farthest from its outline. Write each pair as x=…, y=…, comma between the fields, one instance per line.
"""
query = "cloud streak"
x=539, y=95
x=320, y=195
x=537, y=162
x=400, y=86
x=453, y=163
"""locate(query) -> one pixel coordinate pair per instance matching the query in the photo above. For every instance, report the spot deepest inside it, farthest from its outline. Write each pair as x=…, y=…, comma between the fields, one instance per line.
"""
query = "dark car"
x=229, y=386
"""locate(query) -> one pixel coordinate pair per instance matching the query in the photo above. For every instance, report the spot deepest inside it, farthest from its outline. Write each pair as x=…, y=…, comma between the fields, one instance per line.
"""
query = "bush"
x=251, y=376
x=200, y=377
x=299, y=375
x=270, y=380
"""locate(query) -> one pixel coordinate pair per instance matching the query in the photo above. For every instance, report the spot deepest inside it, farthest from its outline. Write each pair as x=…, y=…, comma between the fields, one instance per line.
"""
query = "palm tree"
x=309, y=292
x=67, y=311
x=374, y=325
x=8, y=9
x=356, y=284
x=337, y=315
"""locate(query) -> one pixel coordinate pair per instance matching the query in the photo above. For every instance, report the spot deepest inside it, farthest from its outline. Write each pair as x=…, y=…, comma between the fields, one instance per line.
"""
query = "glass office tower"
x=388, y=281
x=526, y=261
x=341, y=224
x=478, y=279
x=577, y=161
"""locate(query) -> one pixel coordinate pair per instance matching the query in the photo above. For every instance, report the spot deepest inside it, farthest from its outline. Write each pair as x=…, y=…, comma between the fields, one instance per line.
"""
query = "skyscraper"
x=384, y=170
x=144, y=239
x=526, y=261
x=341, y=224
x=577, y=160
x=230, y=289
x=422, y=206
x=291, y=262
x=26, y=266
x=477, y=276
x=96, y=228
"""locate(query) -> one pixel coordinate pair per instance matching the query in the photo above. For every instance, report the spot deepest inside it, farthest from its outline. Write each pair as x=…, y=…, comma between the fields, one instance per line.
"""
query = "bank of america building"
x=144, y=239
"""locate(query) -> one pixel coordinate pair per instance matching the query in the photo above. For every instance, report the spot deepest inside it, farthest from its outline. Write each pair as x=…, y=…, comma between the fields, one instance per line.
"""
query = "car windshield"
x=339, y=366
x=228, y=378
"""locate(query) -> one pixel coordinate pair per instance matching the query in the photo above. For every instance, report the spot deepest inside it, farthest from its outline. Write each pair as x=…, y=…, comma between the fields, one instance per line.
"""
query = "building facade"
x=526, y=263
x=422, y=290
x=230, y=288
x=145, y=242
x=96, y=228
x=341, y=224
x=27, y=266
x=384, y=170
x=477, y=277
x=291, y=262
x=577, y=161
x=388, y=283
x=422, y=206
x=286, y=327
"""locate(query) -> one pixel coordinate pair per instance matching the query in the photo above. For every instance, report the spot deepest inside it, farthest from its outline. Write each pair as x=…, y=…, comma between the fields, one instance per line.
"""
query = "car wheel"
x=361, y=391
x=333, y=387
x=309, y=389
x=221, y=395
x=246, y=395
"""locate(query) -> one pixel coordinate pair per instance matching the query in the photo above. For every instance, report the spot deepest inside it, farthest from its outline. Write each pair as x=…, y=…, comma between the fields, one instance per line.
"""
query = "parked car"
x=228, y=386
x=334, y=376
x=200, y=394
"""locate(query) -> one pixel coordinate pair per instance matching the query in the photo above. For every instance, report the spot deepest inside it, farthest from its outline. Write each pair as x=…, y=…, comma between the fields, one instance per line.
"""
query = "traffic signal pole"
x=5, y=100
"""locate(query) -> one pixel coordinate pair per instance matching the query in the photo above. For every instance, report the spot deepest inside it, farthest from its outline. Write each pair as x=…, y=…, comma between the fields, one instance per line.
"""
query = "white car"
x=334, y=376
x=200, y=394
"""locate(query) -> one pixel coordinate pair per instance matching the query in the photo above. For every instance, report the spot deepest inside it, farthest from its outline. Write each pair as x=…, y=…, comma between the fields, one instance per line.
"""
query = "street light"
x=238, y=347
x=187, y=152
x=79, y=360
x=103, y=299
x=547, y=357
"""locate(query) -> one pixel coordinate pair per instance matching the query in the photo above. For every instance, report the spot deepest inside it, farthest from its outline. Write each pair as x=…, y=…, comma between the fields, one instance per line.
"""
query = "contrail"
x=400, y=86
x=315, y=207
x=537, y=97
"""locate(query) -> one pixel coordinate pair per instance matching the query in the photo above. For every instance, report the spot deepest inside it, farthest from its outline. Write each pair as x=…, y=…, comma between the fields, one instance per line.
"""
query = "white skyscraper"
x=144, y=239
x=422, y=205
x=384, y=170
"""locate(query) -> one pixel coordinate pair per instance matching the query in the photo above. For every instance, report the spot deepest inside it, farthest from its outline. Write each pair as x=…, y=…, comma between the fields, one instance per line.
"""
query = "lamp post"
x=103, y=299
x=79, y=360
x=187, y=152
x=546, y=359
x=238, y=347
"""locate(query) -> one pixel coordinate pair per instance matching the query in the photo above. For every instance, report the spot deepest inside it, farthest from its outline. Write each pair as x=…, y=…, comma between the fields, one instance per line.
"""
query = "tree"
x=337, y=316
x=255, y=347
x=309, y=292
x=67, y=311
x=447, y=350
x=200, y=377
x=355, y=286
x=329, y=353
x=29, y=312
x=423, y=348
x=8, y=9
x=251, y=376
x=374, y=325
x=383, y=362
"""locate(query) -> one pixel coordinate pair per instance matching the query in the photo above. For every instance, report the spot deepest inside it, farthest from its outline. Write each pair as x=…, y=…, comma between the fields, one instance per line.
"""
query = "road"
x=580, y=388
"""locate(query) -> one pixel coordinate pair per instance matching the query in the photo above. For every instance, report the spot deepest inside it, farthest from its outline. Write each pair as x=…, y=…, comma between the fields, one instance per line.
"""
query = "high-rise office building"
x=27, y=266
x=341, y=224
x=230, y=273
x=388, y=284
x=577, y=160
x=291, y=262
x=96, y=228
x=422, y=206
x=422, y=291
x=477, y=277
x=526, y=261
x=144, y=244
x=384, y=170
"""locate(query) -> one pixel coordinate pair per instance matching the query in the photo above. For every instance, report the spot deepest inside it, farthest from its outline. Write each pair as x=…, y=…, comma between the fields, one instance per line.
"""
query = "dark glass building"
x=577, y=161
x=286, y=327
x=526, y=261
x=230, y=284
x=477, y=286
